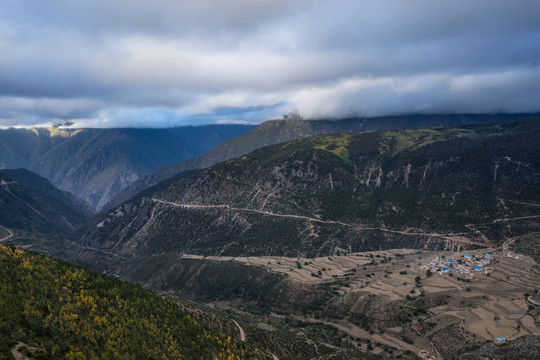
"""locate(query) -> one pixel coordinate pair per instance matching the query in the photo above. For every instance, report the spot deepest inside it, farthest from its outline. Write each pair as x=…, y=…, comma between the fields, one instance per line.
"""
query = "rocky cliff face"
x=449, y=188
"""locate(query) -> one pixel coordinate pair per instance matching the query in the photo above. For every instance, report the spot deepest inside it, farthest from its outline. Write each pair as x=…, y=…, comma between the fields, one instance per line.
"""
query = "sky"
x=161, y=63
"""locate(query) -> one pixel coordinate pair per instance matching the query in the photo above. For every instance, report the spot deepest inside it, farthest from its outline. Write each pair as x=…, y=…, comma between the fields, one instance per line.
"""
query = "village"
x=468, y=265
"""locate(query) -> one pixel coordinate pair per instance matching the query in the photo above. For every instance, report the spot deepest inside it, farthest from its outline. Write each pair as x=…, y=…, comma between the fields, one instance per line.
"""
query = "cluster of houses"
x=467, y=265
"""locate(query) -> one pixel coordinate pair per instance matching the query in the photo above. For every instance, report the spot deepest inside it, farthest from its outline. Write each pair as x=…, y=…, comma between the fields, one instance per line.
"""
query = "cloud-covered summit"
x=164, y=62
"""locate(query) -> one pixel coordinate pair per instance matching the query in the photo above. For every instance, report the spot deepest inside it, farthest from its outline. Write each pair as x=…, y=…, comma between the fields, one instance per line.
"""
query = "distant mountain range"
x=280, y=131
x=95, y=164
x=440, y=188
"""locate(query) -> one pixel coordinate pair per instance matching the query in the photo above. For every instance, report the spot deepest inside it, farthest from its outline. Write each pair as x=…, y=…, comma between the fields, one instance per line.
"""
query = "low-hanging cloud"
x=166, y=63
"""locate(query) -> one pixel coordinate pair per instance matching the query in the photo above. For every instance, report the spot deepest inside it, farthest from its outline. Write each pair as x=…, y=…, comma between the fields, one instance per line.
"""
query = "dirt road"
x=242, y=333
x=450, y=237
x=8, y=236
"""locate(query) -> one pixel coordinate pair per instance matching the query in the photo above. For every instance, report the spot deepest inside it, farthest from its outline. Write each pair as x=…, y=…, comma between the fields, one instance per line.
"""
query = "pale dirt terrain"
x=18, y=355
x=494, y=306
x=241, y=331
x=335, y=266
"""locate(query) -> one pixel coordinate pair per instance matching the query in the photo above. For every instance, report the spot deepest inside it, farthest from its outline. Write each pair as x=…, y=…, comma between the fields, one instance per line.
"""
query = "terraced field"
x=481, y=309
x=301, y=269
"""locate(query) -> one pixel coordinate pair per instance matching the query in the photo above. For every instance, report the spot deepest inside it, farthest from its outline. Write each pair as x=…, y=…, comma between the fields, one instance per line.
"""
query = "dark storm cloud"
x=165, y=62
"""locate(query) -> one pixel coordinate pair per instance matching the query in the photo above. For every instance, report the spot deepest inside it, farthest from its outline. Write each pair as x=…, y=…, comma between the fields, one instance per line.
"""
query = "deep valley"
x=414, y=243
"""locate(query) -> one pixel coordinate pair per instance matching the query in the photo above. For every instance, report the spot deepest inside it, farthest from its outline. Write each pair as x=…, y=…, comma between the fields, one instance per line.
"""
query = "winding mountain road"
x=242, y=333
x=228, y=207
x=452, y=237
x=523, y=203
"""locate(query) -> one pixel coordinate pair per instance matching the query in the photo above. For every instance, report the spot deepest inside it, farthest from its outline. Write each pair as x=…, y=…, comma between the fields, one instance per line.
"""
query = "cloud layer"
x=167, y=62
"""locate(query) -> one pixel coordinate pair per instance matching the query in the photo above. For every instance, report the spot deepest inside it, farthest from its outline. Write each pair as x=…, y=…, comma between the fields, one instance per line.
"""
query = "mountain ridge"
x=441, y=188
x=278, y=131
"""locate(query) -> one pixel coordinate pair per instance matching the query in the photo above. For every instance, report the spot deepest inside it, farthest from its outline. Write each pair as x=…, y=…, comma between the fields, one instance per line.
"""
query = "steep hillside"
x=280, y=131
x=50, y=309
x=35, y=182
x=439, y=188
x=58, y=311
x=30, y=203
x=95, y=164
x=203, y=138
x=20, y=147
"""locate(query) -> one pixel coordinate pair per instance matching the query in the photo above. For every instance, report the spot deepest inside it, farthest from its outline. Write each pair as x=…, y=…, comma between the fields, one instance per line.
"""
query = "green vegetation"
x=70, y=313
x=336, y=145
x=393, y=142
x=282, y=131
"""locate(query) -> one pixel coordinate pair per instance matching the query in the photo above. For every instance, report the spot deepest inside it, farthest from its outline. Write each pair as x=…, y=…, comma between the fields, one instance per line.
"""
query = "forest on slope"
x=60, y=311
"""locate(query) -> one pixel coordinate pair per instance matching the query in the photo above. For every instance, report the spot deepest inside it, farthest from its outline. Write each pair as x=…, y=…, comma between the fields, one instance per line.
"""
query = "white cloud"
x=162, y=62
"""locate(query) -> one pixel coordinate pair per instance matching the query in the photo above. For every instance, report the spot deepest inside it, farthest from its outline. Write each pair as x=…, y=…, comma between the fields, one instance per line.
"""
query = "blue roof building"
x=452, y=261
